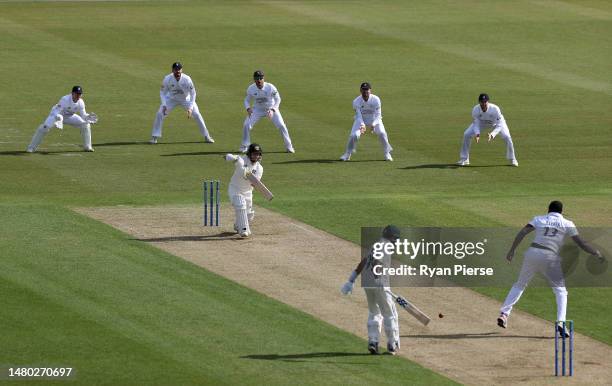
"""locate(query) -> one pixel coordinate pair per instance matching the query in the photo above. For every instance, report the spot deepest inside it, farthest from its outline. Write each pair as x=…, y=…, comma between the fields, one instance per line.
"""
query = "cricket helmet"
x=391, y=233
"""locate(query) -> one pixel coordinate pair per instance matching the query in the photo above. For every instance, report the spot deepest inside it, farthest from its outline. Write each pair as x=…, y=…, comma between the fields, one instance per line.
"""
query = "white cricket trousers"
x=170, y=105
x=548, y=264
x=381, y=310
x=58, y=120
x=277, y=120
x=243, y=206
x=379, y=130
x=473, y=130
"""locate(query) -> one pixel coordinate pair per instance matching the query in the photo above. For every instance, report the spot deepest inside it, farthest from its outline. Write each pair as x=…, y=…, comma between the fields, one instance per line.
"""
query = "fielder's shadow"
x=212, y=153
x=297, y=357
x=14, y=152
x=483, y=335
x=142, y=143
x=451, y=166
x=41, y=152
x=324, y=161
x=218, y=236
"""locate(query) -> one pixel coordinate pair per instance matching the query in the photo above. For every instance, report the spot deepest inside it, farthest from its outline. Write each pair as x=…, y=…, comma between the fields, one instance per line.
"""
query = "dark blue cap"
x=257, y=75
x=365, y=86
x=177, y=66
x=77, y=89
x=483, y=97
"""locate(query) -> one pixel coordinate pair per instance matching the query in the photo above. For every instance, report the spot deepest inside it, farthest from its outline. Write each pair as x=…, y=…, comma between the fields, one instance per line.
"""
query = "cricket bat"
x=411, y=309
x=260, y=187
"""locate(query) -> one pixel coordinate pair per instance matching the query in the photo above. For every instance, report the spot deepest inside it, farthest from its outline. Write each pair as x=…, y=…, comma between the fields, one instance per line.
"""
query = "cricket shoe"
x=393, y=348
x=514, y=163
x=89, y=149
x=502, y=321
x=373, y=348
x=30, y=150
x=388, y=157
x=209, y=140
x=243, y=149
x=291, y=150
x=245, y=234
x=562, y=331
x=153, y=140
x=345, y=157
x=463, y=162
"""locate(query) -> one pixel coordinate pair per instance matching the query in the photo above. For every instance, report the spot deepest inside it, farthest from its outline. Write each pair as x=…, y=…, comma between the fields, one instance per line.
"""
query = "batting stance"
x=368, y=114
x=486, y=115
x=240, y=189
x=266, y=101
x=381, y=305
x=543, y=256
x=177, y=89
x=70, y=110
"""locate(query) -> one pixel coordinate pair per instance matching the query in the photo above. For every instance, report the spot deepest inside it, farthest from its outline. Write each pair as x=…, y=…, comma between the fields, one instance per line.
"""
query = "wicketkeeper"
x=70, y=110
x=240, y=188
x=381, y=305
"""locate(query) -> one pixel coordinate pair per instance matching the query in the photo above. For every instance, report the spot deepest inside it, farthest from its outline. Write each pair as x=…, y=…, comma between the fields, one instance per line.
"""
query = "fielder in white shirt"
x=265, y=101
x=368, y=114
x=240, y=190
x=543, y=257
x=177, y=89
x=381, y=305
x=486, y=115
x=70, y=110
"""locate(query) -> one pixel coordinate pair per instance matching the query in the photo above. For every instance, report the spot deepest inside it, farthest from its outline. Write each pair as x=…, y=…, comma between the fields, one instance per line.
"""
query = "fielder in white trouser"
x=58, y=120
x=474, y=131
x=276, y=118
x=170, y=105
x=378, y=129
x=548, y=264
x=382, y=311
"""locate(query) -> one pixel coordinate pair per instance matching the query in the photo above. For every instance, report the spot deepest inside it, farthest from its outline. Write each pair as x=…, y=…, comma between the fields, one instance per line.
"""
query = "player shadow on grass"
x=325, y=161
x=212, y=153
x=297, y=357
x=218, y=236
x=143, y=143
x=449, y=166
x=43, y=152
x=482, y=335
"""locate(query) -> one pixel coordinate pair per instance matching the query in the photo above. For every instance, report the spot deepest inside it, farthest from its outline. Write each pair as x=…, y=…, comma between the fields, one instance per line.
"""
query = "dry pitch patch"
x=304, y=267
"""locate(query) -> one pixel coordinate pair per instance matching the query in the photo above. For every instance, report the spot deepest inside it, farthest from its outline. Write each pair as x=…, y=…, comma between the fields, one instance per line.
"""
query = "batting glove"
x=347, y=288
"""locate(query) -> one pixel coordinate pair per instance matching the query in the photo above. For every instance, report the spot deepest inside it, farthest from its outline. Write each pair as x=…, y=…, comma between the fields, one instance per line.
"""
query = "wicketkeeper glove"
x=92, y=118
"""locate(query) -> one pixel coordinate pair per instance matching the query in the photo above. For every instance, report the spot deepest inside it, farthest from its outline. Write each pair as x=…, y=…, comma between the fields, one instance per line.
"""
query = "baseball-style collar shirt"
x=368, y=112
x=66, y=106
x=263, y=99
x=178, y=90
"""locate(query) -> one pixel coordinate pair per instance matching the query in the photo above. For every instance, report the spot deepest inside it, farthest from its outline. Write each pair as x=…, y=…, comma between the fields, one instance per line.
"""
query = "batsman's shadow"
x=300, y=357
x=481, y=335
x=218, y=236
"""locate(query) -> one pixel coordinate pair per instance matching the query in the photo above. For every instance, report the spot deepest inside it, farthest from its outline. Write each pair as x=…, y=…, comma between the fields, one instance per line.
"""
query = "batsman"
x=240, y=188
x=381, y=305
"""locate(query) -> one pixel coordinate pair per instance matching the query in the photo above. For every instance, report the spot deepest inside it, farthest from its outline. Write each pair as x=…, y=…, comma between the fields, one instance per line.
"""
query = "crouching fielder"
x=240, y=189
x=381, y=305
x=70, y=110
x=368, y=114
x=543, y=256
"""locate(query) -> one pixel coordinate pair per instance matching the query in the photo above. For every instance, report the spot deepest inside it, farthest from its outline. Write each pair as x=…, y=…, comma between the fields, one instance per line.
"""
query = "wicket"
x=561, y=327
x=211, y=195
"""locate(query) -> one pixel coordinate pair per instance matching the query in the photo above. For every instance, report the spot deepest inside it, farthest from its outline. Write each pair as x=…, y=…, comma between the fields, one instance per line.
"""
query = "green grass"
x=547, y=65
x=78, y=293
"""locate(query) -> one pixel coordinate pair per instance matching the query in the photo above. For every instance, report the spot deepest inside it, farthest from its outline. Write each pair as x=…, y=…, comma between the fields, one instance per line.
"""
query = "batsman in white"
x=266, y=101
x=368, y=115
x=543, y=256
x=240, y=189
x=70, y=110
x=486, y=116
x=177, y=89
x=381, y=305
